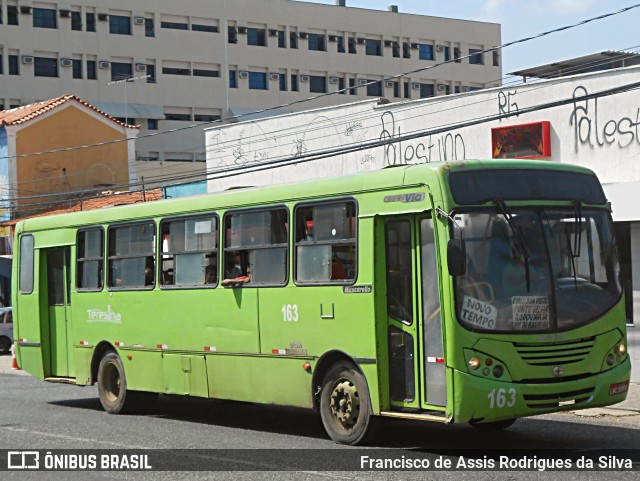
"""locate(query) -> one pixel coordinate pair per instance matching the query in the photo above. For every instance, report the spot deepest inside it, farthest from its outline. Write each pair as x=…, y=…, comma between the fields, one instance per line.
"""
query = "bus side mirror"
x=457, y=257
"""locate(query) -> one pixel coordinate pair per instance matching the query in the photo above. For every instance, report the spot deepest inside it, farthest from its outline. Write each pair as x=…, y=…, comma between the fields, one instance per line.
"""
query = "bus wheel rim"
x=345, y=403
x=113, y=383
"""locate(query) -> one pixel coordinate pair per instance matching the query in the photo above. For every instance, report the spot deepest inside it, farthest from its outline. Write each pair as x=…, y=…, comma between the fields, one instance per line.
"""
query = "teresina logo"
x=97, y=315
x=405, y=198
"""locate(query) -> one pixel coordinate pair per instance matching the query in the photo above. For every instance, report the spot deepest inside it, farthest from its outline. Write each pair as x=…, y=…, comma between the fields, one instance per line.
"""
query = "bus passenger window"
x=190, y=252
x=90, y=259
x=326, y=243
x=131, y=256
x=256, y=247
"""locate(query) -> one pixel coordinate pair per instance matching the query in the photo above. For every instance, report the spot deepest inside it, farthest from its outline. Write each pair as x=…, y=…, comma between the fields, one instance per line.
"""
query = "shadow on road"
x=549, y=432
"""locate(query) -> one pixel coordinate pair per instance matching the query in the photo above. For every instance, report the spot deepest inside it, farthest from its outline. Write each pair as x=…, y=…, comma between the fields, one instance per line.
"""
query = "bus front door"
x=414, y=332
x=57, y=262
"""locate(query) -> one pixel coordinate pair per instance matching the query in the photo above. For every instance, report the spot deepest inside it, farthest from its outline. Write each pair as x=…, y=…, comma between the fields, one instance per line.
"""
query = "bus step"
x=62, y=380
x=416, y=416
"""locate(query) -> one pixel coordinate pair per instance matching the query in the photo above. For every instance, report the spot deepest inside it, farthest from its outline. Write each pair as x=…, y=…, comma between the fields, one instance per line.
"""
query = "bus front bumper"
x=484, y=400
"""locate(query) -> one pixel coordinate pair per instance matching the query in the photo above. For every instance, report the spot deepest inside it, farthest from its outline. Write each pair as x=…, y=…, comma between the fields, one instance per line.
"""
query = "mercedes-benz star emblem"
x=558, y=371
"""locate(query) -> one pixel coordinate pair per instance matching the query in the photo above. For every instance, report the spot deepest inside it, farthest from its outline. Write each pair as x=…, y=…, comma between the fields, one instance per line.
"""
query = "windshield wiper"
x=518, y=240
x=574, y=250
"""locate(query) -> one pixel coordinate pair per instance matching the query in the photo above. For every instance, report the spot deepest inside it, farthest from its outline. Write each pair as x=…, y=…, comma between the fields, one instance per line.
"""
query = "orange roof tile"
x=25, y=113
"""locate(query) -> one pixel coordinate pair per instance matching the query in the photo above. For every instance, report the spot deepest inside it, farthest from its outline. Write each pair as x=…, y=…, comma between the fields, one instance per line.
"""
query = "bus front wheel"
x=345, y=407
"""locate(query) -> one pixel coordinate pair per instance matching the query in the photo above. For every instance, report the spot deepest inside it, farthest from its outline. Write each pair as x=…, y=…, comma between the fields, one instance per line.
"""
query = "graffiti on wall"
x=444, y=147
x=591, y=130
x=506, y=103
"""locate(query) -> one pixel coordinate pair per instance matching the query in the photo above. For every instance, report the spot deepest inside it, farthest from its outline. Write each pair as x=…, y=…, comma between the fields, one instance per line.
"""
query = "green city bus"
x=468, y=292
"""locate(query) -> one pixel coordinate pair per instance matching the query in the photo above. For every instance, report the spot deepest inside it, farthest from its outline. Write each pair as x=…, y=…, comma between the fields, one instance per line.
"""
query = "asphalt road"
x=38, y=415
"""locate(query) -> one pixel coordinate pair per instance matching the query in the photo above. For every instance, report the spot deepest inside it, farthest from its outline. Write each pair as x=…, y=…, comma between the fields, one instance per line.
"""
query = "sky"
x=524, y=18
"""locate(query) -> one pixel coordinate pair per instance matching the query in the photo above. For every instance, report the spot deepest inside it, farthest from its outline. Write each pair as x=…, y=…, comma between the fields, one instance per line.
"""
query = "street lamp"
x=124, y=79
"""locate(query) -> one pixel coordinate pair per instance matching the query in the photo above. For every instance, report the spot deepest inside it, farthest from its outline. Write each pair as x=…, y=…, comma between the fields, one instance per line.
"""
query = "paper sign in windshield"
x=530, y=312
x=478, y=313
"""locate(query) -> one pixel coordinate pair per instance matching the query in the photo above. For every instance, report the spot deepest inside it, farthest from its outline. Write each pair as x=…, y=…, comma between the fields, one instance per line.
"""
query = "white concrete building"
x=207, y=59
x=600, y=133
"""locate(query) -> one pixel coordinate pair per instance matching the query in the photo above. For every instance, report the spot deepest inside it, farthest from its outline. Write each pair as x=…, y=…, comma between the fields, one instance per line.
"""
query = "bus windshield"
x=536, y=269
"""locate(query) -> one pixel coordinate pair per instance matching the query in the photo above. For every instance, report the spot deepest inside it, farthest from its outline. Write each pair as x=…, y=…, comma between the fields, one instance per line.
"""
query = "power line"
x=309, y=99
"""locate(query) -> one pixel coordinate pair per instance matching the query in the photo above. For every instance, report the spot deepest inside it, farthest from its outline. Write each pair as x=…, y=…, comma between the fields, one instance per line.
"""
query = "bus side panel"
x=268, y=380
x=82, y=365
x=143, y=370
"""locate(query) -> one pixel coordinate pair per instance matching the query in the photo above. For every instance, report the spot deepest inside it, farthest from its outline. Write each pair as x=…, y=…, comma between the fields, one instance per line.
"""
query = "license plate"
x=618, y=388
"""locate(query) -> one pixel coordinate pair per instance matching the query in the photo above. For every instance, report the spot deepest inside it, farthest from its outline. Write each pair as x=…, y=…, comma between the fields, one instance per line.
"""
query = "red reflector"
x=440, y=360
x=618, y=388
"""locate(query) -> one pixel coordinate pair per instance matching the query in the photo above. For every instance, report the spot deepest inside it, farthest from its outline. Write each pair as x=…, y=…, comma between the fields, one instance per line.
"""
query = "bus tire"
x=112, y=387
x=345, y=406
x=494, y=426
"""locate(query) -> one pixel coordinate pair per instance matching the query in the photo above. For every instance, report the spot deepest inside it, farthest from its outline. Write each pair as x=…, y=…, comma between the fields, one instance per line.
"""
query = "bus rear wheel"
x=345, y=407
x=112, y=387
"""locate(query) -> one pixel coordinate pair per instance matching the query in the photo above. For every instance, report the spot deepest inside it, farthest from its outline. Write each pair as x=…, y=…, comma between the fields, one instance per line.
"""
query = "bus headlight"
x=474, y=362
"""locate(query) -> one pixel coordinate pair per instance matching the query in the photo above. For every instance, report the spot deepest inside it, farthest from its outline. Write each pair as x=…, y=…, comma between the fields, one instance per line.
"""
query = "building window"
x=44, y=18
x=91, y=22
x=476, y=56
x=174, y=25
x=426, y=90
x=282, y=81
x=293, y=40
x=121, y=70
x=316, y=42
x=341, y=88
x=77, y=68
x=152, y=124
x=352, y=87
x=425, y=52
x=352, y=45
x=1, y=72
x=496, y=58
x=407, y=90
x=396, y=89
x=76, y=21
x=456, y=55
x=294, y=83
x=190, y=252
x=282, y=39
x=206, y=118
x=151, y=74
x=149, y=28
x=175, y=71
x=395, y=49
x=447, y=55
x=90, y=259
x=326, y=244
x=119, y=25
x=340, y=44
x=14, y=65
x=204, y=28
x=199, y=72
x=317, y=84
x=373, y=47
x=406, y=50
x=12, y=15
x=91, y=70
x=233, y=79
x=45, y=67
x=178, y=117
x=258, y=80
x=131, y=256
x=374, y=89
x=256, y=36
x=256, y=247
x=232, y=35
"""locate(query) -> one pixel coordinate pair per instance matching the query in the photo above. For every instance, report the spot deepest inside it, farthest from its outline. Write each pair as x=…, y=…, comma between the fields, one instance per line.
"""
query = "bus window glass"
x=542, y=270
x=90, y=260
x=256, y=247
x=399, y=269
x=132, y=256
x=326, y=243
x=26, y=264
x=190, y=252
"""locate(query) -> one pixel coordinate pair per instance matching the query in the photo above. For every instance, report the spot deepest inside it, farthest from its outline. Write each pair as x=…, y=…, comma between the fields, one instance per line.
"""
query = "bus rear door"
x=414, y=330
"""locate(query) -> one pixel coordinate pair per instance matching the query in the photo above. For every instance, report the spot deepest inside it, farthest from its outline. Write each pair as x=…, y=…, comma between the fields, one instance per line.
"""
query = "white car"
x=6, y=330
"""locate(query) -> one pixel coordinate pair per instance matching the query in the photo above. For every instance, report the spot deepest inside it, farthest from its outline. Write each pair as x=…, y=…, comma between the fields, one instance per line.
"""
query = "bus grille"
x=552, y=354
x=554, y=400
